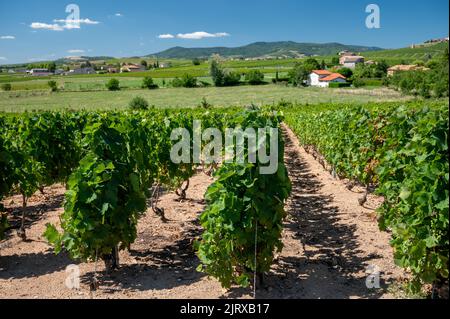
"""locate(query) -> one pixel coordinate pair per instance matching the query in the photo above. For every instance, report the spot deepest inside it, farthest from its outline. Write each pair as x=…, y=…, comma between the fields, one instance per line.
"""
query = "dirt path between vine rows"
x=329, y=243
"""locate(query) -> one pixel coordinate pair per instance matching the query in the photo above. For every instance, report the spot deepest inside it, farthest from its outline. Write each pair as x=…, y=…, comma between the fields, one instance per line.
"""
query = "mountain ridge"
x=262, y=48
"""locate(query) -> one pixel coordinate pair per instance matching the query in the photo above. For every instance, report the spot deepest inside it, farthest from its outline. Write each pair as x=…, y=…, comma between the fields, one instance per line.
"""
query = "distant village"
x=86, y=68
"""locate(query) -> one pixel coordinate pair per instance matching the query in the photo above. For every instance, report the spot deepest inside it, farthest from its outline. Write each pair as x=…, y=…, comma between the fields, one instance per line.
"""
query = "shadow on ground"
x=330, y=256
x=33, y=213
x=172, y=266
x=32, y=265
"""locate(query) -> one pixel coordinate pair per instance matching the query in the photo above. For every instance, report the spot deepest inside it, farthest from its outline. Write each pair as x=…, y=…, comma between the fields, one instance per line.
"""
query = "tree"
x=311, y=64
x=51, y=66
x=6, y=86
x=138, y=103
x=335, y=61
x=196, y=61
x=298, y=75
x=144, y=63
x=53, y=85
x=323, y=65
x=86, y=64
x=255, y=77
x=381, y=69
x=113, y=85
x=345, y=72
x=147, y=83
x=217, y=73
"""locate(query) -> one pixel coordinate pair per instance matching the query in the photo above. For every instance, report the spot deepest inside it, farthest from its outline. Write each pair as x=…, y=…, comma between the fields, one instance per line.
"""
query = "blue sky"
x=28, y=30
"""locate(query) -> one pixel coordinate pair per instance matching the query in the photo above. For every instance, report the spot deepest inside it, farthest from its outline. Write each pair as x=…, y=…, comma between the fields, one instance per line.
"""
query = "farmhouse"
x=132, y=68
x=323, y=78
x=164, y=65
x=350, y=61
x=40, y=72
x=404, y=68
x=87, y=70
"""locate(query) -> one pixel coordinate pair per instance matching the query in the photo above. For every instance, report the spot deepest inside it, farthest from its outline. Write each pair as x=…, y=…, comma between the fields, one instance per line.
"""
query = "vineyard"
x=112, y=163
x=115, y=166
x=401, y=152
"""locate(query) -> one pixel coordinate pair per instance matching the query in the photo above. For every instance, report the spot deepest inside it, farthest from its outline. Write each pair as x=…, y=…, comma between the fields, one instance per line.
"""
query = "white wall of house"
x=313, y=79
x=323, y=84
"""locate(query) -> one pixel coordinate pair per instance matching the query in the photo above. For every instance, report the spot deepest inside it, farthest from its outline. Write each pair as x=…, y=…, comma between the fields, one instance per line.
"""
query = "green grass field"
x=181, y=97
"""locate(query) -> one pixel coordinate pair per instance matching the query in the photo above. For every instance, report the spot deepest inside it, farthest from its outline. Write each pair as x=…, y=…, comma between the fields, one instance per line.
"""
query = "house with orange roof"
x=323, y=78
x=132, y=68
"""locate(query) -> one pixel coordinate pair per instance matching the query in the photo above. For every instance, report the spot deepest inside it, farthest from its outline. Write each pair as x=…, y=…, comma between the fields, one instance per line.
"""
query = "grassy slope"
x=180, y=97
x=408, y=54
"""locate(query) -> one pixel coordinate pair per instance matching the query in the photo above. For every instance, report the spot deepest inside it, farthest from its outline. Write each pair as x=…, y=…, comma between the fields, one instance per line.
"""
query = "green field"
x=181, y=97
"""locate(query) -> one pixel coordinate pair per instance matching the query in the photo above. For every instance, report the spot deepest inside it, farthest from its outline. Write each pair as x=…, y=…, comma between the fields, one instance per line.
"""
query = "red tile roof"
x=322, y=72
x=332, y=76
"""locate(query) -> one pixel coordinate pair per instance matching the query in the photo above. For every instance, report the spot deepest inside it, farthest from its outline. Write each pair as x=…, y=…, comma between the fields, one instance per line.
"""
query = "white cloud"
x=166, y=36
x=63, y=24
x=201, y=34
x=75, y=51
x=3, y=58
x=46, y=26
x=119, y=15
x=7, y=37
x=74, y=21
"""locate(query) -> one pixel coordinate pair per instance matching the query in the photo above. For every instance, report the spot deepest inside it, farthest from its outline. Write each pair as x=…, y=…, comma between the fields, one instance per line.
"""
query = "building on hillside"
x=370, y=62
x=346, y=53
x=132, y=68
x=351, y=61
x=40, y=72
x=405, y=68
x=164, y=65
x=323, y=78
x=88, y=70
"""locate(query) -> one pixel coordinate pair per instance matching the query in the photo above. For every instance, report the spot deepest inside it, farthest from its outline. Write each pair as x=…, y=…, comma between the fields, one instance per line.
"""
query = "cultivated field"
x=183, y=97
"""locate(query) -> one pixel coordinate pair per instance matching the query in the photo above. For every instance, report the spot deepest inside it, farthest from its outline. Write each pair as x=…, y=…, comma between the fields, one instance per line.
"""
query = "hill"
x=263, y=49
x=409, y=55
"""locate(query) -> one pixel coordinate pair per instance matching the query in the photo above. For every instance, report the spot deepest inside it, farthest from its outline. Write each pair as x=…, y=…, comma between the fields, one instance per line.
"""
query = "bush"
x=280, y=80
x=336, y=85
x=204, y=84
x=113, y=85
x=177, y=83
x=254, y=77
x=231, y=79
x=138, y=103
x=204, y=104
x=196, y=61
x=53, y=85
x=372, y=82
x=148, y=83
x=357, y=83
x=6, y=87
x=189, y=81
